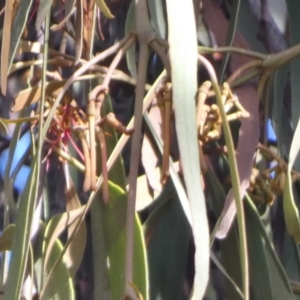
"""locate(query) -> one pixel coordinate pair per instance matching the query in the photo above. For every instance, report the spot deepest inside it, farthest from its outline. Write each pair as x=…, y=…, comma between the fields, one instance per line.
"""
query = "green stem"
x=234, y=177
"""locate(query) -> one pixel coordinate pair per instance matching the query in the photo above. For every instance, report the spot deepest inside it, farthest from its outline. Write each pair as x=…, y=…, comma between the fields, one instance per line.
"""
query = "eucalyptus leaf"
x=111, y=220
x=6, y=238
x=21, y=238
x=131, y=53
x=183, y=57
x=104, y=9
x=43, y=9
x=157, y=16
x=168, y=235
x=60, y=286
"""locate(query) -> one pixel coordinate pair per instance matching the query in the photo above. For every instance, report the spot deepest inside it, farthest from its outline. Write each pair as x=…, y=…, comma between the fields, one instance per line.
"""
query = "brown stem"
x=246, y=67
x=102, y=143
x=111, y=120
x=91, y=113
x=159, y=50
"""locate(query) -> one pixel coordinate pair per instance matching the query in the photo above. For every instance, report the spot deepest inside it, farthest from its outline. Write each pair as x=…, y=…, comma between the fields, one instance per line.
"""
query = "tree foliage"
x=149, y=150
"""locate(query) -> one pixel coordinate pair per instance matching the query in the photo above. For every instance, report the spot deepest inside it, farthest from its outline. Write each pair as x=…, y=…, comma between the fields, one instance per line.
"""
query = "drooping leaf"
x=14, y=26
x=44, y=8
x=183, y=57
x=8, y=18
x=131, y=53
x=283, y=128
x=109, y=222
x=229, y=247
x=291, y=213
x=157, y=16
x=294, y=14
x=268, y=277
x=21, y=238
x=167, y=235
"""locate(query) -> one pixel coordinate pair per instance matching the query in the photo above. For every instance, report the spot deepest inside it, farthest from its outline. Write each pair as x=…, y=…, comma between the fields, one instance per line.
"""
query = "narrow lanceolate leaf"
x=109, y=244
x=44, y=8
x=131, y=53
x=294, y=14
x=291, y=213
x=104, y=9
x=21, y=238
x=56, y=226
x=12, y=30
x=60, y=285
x=6, y=238
x=6, y=43
x=74, y=253
x=79, y=30
x=268, y=277
x=183, y=56
x=157, y=15
x=3, y=127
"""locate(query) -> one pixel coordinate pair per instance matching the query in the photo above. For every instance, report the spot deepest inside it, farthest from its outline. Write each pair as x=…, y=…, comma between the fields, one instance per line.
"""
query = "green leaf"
x=104, y=9
x=183, y=57
x=294, y=15
x=6, y=238
x=109, y=223
x=291, y=213
x=21, y=238
x=268, y=278
x=234, y=15
x=279, y=114
x=60, y=285
x=75, y=250
x=168, y=234
x=56, y=226
x=267, y=275
x=3, y=127
x=157, y=16
x=17, y=28
x=116, y=173
x=229, y=247
x=131, y=52
x=44, y=8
